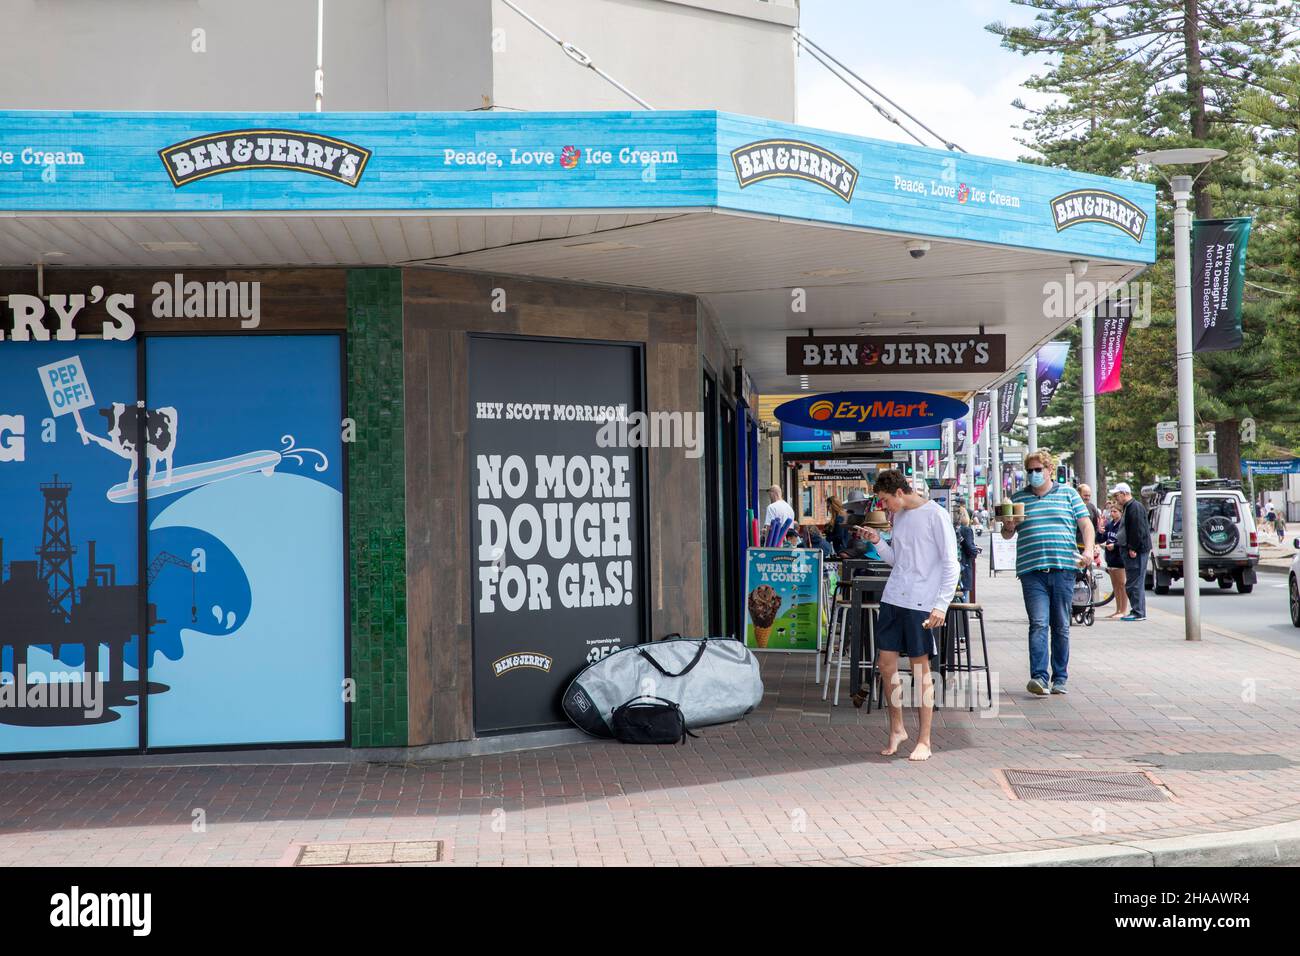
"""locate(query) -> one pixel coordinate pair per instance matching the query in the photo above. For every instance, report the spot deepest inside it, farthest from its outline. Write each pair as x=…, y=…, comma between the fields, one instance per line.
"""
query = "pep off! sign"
x=894, y=354
x=870, y=411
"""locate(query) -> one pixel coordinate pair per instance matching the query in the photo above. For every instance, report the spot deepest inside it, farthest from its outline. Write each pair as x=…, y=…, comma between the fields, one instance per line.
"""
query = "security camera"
x=917, y=248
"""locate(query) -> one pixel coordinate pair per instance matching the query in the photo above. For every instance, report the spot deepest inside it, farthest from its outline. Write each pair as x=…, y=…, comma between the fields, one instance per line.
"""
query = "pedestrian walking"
x=1047, y=558
x=923, y=554
x=1134, y=542
x=967, y=552
x=1113, y=519
x=1085, y=493
x=779, y=510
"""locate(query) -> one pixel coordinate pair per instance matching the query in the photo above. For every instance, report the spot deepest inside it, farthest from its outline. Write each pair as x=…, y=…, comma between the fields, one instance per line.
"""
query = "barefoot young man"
x=923, y=553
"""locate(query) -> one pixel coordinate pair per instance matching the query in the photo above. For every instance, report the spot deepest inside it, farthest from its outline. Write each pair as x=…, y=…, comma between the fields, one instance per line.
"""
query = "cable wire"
x=814, y=48
x=579, y=57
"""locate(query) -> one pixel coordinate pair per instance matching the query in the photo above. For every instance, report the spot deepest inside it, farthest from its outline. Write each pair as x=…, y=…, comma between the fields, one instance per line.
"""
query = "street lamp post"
x=1031, y=395
x=1088, y=398
x=1181, y=185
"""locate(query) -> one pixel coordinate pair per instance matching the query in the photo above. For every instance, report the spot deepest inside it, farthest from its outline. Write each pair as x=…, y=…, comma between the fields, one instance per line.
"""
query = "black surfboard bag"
x=711, y=680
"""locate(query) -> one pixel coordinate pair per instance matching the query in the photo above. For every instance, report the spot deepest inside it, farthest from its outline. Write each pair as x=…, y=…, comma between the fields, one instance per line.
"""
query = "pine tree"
x=1151, y=74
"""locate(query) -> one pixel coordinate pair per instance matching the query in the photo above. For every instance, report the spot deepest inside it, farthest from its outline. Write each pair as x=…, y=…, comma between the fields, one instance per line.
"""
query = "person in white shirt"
x=923, y=554
x=777, y=511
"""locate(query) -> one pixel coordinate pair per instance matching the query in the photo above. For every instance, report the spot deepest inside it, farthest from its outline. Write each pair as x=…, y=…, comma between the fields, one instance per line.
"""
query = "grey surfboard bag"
x=712, y=680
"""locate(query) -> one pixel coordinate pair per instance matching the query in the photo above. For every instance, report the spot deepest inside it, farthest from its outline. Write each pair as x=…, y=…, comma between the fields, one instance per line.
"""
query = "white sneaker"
x=1037, y=687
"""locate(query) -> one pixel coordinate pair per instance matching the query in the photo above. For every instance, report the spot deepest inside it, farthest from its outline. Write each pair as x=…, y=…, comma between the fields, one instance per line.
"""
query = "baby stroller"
x=1092, y=589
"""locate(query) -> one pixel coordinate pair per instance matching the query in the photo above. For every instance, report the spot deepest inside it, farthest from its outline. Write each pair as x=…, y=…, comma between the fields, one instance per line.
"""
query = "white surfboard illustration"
x=187, y=477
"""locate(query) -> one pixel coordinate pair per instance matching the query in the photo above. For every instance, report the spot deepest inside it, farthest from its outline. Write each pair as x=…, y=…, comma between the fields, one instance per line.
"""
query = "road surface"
x=1263, y=614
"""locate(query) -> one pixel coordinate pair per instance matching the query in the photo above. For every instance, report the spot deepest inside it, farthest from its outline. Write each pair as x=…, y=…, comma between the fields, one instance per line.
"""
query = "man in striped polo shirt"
x=1047, y=557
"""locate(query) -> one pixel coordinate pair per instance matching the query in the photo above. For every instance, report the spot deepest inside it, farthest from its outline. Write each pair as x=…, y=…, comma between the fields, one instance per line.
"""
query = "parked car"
x=1293, y=586
x=1228, y=541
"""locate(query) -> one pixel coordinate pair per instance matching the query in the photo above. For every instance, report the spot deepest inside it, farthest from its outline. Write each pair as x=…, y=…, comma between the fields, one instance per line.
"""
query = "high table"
x=864, y=593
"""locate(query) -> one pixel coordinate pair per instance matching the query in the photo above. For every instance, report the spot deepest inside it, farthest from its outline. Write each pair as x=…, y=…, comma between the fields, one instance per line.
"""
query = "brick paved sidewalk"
x=797, y=782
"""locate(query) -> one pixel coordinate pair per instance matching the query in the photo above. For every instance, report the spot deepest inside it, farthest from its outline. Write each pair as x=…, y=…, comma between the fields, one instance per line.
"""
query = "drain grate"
x=1086, y=785
x=369, y=854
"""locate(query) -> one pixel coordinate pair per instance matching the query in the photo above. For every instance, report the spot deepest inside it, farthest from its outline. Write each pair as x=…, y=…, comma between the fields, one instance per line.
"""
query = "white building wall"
x=733, y=55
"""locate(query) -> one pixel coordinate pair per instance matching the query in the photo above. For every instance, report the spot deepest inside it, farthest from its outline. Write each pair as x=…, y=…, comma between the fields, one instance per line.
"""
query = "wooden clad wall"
x=291, y=300
x=440, y=309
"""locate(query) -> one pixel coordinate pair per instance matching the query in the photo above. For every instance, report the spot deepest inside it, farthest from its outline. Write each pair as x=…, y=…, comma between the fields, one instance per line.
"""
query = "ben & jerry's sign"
x=238, y=149
x=793, y=159
x=1098, y=205
x=886, y=354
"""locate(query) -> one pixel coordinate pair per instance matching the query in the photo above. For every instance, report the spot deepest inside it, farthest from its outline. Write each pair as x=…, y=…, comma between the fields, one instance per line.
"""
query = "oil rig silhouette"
x=41, y=606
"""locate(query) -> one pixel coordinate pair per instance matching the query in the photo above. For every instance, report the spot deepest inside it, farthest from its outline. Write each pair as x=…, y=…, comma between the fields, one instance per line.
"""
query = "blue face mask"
x=1037, y=479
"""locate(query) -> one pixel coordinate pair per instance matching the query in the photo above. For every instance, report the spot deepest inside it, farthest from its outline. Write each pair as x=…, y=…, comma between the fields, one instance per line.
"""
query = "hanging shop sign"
x=894, y=354
x=1098, y=205
x=1218, y=279
x=264, y=149
x=794, y=159
x=556, y=518
x=782, y=598
x=870, y=411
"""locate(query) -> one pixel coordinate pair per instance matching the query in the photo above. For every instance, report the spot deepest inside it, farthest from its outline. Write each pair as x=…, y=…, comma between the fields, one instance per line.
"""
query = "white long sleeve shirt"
x=923, y=554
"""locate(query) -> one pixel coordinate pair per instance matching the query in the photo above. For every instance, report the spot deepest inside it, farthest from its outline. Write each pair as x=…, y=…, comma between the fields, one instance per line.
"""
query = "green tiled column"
x=377, y=507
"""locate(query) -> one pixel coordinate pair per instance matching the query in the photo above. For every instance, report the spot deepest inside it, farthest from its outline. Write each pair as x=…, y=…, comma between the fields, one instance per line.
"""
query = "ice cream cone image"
x=763, y=602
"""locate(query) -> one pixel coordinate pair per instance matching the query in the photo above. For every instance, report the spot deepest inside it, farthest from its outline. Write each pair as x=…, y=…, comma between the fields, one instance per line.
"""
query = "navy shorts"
x=899, y=629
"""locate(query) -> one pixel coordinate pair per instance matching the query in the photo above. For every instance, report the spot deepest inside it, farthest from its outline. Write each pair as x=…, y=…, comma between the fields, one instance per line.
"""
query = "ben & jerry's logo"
x=510, y=662
x=238, y=149
x=1097, y=205
x=791, y=159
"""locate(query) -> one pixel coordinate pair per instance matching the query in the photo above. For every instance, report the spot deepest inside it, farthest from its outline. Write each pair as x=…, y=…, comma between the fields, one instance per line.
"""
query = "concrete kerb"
x=1271, y=845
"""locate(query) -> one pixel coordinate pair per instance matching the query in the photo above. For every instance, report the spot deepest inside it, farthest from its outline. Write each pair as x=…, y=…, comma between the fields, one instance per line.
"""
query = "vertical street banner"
x=1109, y=332
x=1218, y=278
x=959, y=436
x=983, y=402
x=1048, y=368
x=1009, y=402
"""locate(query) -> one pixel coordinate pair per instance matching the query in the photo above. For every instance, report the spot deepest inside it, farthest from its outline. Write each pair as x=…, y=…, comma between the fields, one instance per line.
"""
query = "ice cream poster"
x=782, y=598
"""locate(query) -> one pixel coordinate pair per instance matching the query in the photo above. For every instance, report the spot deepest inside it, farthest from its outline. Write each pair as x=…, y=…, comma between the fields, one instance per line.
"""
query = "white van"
x=1228, y=542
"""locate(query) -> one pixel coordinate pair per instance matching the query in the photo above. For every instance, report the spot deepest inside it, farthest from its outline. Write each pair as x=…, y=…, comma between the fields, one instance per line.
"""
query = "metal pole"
x=320, y=55
x=949, y=469
x=970, y=454
x=1031, y=395
x=1182, y=188
x=1087, y=386
x=994, y=492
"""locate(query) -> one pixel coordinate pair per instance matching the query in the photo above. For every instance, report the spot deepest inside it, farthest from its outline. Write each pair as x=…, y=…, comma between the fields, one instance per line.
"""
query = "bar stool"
x=956, y=640
x=837, y=646
x=827, y=616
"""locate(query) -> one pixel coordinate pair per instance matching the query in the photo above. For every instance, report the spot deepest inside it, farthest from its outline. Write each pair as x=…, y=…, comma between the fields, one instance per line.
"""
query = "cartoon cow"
x=124, y=436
